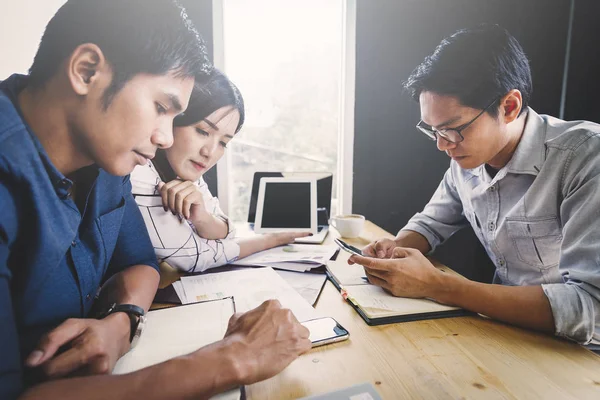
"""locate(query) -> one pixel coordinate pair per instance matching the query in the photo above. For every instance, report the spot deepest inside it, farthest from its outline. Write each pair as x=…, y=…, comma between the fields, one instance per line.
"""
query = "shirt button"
x=492, y=226
x=501, y=262
x=73, y=243
x=88, y=297
x=492, y=188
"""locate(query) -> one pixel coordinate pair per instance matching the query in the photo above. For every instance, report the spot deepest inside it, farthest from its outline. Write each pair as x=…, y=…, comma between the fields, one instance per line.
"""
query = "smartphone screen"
x=347, y=247
x=325, y=330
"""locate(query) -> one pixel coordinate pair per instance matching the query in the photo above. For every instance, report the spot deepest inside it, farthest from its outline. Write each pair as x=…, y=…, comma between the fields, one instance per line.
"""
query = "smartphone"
x=325, y=330
x=348, y=247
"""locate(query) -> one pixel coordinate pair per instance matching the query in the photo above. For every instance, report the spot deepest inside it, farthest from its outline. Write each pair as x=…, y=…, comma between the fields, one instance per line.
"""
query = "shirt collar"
x=530, y=154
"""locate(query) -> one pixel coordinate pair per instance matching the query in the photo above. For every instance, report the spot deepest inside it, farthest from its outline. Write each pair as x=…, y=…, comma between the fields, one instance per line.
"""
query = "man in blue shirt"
x=107, y=81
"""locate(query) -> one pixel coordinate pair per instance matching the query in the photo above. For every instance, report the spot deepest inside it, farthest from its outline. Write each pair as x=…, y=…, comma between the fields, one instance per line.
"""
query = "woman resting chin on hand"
x=186, y=225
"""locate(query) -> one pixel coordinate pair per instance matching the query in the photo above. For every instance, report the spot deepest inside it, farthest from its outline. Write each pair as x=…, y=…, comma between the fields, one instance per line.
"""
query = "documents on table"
x=250, y=287
x=293, y=257
x=309, y=286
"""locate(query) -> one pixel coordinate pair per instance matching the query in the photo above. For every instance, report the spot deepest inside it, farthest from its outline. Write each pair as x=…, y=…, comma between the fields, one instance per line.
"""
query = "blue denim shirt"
x=53, y=259
x=538, y=218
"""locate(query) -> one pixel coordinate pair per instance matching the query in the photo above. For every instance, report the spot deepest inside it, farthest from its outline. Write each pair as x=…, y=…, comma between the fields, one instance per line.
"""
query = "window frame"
x=345, y=165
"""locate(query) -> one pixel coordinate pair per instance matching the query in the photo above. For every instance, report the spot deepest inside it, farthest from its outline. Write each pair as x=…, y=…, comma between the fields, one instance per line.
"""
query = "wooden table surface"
x=457, y=358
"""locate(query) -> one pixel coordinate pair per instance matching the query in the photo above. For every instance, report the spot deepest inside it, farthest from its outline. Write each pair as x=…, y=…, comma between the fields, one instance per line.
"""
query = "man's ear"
x=510, y=105
x=85, y=68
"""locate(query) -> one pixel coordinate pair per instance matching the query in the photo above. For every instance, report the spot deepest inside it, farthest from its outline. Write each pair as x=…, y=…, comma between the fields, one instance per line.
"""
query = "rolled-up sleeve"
x=576, y=302
x=11, y=375
x=442, y=216
x=133, y=245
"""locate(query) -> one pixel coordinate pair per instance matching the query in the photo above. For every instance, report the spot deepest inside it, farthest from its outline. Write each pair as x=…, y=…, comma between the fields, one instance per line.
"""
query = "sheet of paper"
x=305, y=253
x=179, y=290
x=306, y=284
x=376, y=302
x=250, y=287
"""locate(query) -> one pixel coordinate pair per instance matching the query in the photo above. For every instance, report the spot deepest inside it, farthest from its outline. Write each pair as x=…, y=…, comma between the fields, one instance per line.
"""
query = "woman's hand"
x=184, y=198
x=282, y=238
x=267, y=241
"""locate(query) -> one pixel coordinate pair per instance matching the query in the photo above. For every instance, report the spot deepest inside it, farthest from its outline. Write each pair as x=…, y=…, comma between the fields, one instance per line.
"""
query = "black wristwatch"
x=136, y=316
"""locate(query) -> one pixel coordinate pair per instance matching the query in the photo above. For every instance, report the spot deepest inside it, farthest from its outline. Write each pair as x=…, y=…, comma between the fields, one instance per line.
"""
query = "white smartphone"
x=325, y=330
x=348, y=247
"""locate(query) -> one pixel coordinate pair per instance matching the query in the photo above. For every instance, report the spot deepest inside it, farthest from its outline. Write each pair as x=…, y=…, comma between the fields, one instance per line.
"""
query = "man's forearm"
x=413, y=240
x=209, y=371
x=135, y=285
x=525, y=306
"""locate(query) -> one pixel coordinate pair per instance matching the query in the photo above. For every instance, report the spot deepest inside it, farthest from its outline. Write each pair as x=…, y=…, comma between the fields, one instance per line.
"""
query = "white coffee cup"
x=349, y=225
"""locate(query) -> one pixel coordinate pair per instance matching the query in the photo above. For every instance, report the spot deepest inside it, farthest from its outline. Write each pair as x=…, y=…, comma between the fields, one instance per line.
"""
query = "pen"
x=364, y=278
x=233, y=301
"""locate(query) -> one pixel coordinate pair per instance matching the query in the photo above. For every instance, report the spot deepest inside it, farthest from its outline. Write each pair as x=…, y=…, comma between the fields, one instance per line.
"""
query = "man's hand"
x=407, y=274
x=183, y=198
x=94, y=346
x=265, y=340
x=381, y=248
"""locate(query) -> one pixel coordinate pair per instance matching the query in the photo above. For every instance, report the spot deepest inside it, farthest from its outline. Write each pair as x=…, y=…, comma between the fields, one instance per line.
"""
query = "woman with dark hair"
x=187, y=227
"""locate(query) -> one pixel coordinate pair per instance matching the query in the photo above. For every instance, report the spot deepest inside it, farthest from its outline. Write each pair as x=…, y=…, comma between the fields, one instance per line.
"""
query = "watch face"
x=138, y=330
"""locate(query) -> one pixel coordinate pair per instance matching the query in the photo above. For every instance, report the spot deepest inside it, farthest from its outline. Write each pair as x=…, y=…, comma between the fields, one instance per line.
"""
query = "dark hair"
x=476, y=66
x=136, y=36
x=206, y=98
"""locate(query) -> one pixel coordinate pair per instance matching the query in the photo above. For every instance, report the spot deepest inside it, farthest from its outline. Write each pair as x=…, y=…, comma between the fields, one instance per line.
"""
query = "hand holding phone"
x=348, y=247
x=325, y=330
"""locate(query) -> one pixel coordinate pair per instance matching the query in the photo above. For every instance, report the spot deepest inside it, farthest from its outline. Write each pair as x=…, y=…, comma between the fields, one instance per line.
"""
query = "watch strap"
x=134, y=312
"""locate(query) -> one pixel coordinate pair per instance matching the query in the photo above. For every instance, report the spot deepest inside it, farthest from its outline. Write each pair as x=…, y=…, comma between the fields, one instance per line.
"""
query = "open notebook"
x=378, y=307
x=176, y=331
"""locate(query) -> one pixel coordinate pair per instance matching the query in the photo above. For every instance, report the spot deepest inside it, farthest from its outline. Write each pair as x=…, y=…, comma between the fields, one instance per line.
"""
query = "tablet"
x=286, y=205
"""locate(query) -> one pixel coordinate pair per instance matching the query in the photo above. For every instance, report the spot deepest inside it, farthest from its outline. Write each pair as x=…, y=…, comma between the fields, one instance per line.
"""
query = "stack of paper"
x=250, y=288
x=293, y=257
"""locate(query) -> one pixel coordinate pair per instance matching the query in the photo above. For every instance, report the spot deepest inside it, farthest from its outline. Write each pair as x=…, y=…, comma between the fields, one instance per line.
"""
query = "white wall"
x=22, y=24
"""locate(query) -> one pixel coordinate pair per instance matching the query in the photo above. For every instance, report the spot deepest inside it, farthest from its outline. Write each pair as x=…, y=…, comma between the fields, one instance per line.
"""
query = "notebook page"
x=377, y=303
x=346, y=274
x=173, y=332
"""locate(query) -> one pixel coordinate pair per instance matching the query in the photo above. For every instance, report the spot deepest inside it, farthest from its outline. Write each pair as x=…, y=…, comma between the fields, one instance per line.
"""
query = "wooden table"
x=458, y=358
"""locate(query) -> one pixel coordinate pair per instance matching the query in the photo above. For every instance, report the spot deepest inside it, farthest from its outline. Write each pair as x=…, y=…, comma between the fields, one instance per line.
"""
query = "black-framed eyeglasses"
x=453, y=135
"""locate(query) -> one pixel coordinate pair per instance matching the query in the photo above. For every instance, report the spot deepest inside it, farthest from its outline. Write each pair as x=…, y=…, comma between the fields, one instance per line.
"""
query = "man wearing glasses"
x=528, y=184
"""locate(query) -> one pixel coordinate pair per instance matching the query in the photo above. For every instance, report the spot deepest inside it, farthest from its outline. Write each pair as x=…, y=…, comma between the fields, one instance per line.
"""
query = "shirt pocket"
x=537, y=242
x=109, y=226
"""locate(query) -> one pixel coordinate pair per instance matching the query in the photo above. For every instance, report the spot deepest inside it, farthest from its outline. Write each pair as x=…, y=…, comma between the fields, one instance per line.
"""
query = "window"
x=289, y=60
